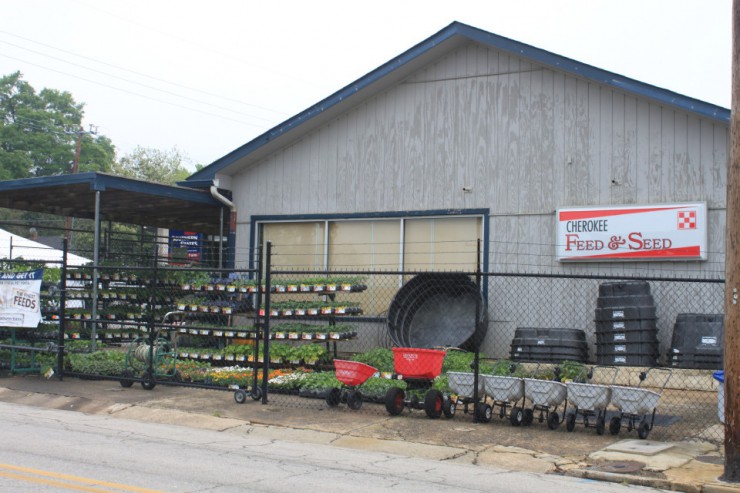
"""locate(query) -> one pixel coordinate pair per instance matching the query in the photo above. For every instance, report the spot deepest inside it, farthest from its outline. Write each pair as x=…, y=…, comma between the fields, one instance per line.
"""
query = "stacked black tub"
x=549, y=345
x=626, y=324
x=438, y=310
x=697, y=341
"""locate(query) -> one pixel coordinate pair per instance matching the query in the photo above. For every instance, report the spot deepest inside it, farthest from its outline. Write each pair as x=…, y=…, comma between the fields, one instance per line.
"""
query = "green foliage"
x=38, y=133
x=98, y=363
x=52, y=275
x=320, y=380
x=380, y=358
x=281, y=350
x=376, y=387
x=458, y=361
x=505, y=368
x=152, y=165
x=573, y=370
x=441, y=383
x=313, y=352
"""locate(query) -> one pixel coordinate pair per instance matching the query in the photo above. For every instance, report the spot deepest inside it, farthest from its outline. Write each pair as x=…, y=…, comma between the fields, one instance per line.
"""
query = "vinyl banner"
x=20, y=298
x=648, y=232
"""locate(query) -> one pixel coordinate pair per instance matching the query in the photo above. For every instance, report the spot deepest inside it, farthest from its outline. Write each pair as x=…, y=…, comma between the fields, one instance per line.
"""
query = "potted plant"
x=312, y=353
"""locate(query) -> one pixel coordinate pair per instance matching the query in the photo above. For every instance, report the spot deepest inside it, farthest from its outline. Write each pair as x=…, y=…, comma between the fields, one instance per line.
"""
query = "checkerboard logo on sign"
x=687, y=220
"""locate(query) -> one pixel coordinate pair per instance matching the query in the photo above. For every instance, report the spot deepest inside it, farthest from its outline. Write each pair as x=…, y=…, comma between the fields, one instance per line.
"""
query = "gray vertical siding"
x=527, y=138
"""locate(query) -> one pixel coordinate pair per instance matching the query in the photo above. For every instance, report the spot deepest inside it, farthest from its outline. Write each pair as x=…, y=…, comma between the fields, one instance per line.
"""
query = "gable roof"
x=446, y=40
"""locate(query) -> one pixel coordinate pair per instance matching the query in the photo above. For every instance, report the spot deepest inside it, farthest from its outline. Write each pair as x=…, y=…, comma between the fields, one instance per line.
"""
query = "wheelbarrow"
x=546, y=397
x=636, y=404
x=462, y=385
x=507, y=394
x=590, y=401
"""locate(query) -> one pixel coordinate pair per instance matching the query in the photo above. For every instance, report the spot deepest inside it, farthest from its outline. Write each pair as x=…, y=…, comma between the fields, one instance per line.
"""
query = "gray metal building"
x=469, y=135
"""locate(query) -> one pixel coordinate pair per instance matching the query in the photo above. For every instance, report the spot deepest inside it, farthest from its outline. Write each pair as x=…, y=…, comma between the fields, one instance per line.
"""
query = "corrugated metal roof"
x=435, y=46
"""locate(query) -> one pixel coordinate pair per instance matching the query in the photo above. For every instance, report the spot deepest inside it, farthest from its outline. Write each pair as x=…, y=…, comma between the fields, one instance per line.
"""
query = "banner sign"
x=20, y=298
x=647, y=232
x=186, y=246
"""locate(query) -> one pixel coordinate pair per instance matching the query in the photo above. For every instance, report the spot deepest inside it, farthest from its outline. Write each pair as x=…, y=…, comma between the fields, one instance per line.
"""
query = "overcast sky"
x=207, y=77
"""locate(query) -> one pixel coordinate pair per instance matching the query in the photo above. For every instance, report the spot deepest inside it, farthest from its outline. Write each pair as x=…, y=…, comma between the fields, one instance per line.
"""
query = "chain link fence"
x=560, y=352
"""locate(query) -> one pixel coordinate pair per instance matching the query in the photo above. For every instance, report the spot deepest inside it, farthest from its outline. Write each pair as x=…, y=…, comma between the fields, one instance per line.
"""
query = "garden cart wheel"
x=126, y=381
x=240, y=396
x=600, y=425
x=433, y=403
x=483, y=413
x=449, y=408
x=147, y=381
x=354, y=400
x=643, y=430
x=517, y=416
x=256, y=393
x=570, y=422
x=553, y=420
x=333, y=397
x=394, y=401
x=614, y=425
x=528, y=417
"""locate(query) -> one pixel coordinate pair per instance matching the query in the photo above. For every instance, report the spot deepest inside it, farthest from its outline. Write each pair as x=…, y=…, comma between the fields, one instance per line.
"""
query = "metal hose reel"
x=141, y=352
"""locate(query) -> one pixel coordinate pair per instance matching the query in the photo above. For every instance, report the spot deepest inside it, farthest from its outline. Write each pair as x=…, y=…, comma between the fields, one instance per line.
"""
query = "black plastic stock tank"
x=698, y=341
x=549, y=345
x=438, y=310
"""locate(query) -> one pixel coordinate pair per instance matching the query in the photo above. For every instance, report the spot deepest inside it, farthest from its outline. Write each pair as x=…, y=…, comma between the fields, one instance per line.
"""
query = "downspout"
x=231, y=242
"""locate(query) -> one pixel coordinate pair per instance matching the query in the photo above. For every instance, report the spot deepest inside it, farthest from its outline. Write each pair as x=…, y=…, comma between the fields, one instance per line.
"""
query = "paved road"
x=47, y=450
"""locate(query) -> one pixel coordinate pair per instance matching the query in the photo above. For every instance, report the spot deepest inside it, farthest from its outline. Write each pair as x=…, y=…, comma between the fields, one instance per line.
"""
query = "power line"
x=140, y=73
x=96, y=6
x=131, y=81
x=132, y=92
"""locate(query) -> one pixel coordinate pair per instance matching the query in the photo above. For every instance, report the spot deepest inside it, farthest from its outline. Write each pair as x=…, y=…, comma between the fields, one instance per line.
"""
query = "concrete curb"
x=663, y=484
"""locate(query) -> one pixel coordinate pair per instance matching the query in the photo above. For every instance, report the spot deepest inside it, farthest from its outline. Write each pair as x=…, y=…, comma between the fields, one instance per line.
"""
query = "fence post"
x=62, y=313
x=151, y=368
x=266, y=325
x=257, y=323
x=476, y=357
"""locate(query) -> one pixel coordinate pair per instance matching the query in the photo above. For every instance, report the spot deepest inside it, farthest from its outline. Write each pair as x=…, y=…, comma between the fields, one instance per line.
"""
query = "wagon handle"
x=168, y=314
x=557, y=374
x=536, y=371
x=614, y=376
x=668, y=371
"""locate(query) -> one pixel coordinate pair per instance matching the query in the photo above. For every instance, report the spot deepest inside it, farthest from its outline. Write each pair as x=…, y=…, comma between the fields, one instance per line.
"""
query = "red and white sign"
x=645, y=232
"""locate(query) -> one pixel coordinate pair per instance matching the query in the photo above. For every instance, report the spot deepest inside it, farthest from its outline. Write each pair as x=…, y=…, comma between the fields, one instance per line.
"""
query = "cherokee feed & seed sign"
x=648, y=232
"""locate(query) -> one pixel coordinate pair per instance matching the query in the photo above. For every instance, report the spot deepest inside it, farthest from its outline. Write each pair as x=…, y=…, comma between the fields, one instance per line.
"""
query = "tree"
x=38, y=133
x=152, y=165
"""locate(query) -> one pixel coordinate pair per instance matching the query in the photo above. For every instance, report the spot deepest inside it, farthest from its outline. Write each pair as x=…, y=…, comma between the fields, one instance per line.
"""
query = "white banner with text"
x=20, y=298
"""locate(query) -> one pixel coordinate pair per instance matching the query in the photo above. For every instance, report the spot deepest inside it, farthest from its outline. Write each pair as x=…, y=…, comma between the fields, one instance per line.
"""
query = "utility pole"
x=732, y=270
x=75, y=168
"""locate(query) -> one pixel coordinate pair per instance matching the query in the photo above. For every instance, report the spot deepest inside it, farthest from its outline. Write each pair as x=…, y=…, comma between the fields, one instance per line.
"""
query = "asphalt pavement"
x=690, y=466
